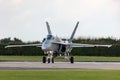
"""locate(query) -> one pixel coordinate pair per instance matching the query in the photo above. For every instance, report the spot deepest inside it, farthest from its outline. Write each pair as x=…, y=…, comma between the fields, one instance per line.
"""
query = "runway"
x=58, y=65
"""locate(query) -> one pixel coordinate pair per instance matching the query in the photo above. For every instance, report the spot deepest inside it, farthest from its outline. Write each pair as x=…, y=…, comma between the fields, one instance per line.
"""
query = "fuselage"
x=49, y=45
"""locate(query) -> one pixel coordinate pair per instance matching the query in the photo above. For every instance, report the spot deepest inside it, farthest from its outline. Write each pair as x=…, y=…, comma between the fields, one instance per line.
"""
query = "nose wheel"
x=45, y=59
x=48, y=60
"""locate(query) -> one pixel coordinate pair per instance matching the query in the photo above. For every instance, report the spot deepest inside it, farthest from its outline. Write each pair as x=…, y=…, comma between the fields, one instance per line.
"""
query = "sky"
x=25, y=19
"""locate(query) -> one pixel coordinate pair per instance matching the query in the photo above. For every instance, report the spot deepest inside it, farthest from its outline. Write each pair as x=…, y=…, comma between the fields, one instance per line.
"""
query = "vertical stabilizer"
x=73, y=33
x=48, y=28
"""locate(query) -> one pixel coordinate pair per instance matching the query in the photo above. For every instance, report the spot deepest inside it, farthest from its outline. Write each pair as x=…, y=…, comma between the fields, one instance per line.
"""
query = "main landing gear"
x=68, y=57
x=71, y=59
x=44, y=59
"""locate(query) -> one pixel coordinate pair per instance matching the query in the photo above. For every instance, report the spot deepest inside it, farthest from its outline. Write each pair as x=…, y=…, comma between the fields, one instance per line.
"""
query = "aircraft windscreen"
x=49, y=37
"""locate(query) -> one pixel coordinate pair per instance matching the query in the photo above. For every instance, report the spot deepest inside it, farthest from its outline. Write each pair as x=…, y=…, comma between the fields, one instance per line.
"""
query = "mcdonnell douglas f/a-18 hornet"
x=53, y=46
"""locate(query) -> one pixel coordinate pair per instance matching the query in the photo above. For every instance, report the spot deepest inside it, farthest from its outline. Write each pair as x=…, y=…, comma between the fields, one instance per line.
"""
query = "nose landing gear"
x=48, y=58
x=45, y=59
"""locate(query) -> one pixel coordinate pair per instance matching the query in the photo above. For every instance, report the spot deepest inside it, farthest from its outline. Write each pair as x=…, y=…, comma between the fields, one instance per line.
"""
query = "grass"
x=60, y=75
x=20, y=58
x=77, y=58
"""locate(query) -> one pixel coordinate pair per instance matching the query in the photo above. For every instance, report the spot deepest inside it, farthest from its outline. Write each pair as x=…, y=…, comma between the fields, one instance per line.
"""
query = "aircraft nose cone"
x=46, y=48
x=43, y=48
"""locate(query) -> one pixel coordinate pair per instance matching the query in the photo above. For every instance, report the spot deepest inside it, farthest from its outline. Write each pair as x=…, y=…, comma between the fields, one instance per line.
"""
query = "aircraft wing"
x=62, y=43
x=88, y=45
x=81, y=45
x=36, y=45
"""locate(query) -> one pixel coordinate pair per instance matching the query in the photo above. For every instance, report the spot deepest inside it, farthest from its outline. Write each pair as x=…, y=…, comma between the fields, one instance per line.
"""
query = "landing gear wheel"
x=52, y=60
x=44, y=59
x=48, y=60
x=71, y=59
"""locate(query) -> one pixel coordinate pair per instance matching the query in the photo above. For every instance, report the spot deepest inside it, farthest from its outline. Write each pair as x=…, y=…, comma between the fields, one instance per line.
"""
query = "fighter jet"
x=54, y=46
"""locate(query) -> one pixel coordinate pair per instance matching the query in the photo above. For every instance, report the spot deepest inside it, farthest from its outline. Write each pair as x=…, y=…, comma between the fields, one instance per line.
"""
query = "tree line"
x=36, y=51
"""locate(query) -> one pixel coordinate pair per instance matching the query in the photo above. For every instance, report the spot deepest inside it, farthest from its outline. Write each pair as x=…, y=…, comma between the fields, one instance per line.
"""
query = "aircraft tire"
x=44, y=59
x=48, y=60
x=52, y=60
x=71, y=59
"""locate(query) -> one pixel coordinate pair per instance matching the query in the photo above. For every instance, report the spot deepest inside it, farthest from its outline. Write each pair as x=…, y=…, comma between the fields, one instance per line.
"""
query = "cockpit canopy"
x=49, y=37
